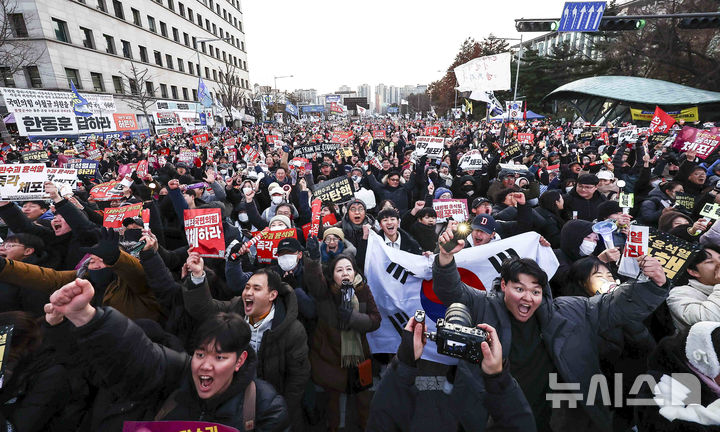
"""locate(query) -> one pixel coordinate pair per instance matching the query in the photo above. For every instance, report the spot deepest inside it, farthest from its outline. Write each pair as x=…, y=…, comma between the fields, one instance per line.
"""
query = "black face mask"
x=673, y=172
x=467, y=188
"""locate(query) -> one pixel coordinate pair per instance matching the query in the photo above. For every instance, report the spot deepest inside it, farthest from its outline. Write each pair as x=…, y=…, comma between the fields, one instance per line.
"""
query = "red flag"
x=661, y=122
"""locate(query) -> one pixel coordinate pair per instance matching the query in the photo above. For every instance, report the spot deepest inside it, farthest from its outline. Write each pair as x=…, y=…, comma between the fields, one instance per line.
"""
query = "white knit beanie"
x=700, y=350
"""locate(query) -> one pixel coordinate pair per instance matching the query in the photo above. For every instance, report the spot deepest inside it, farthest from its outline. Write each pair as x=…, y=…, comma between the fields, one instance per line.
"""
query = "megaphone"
x=605, y=229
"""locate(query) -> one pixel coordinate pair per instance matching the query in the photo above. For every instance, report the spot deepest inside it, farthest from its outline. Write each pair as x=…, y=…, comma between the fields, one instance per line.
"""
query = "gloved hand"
x=312, y=246
x=344, y=314
x=233, y=250
x=107, y=247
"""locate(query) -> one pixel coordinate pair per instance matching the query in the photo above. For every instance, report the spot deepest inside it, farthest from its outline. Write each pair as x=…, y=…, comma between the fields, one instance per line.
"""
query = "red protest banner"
x=267, y=245
x=106, y=191
x=231, y=154
x=125, y=122
x=326, y=221
x=230, y=142
x=315, y=224
x=703, y=142
x=164, y=151
x=114, y=216
x=142, y=168
x=126, y=169
x=201, y=139
x=379, y=134
x=341, y=137
x=271, y=138
x=204, y=232
x=526, y=138
x=661, y=122
x=432, y=130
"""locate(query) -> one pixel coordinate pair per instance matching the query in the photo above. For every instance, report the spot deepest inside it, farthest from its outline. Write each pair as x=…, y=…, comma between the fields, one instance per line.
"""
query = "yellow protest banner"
x=687, y=114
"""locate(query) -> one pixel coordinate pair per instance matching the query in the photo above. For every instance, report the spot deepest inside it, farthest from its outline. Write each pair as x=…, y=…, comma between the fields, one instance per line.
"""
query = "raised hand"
x=73, y=301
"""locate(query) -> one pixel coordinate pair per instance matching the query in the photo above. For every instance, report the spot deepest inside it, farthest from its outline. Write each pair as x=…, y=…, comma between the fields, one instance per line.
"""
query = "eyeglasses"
x=356, y=209
x=9, y=245
x=331, y=239
x=585, y=186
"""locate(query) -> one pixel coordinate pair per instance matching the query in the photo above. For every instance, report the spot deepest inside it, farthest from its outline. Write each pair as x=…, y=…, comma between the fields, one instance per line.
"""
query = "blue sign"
x=393, y=109
x=291, y=109
x=581, y=16
x=203, y=119
x=332, y=98
x=313, y=108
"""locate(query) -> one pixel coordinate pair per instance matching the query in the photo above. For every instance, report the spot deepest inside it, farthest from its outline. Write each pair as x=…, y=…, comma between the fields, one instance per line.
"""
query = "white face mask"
x=568, y=189
x=587, y=247
x=243, y=217
x=276, y=199
x=608, y=286
x=247, y=190
x=356, y=179
x=287, y=262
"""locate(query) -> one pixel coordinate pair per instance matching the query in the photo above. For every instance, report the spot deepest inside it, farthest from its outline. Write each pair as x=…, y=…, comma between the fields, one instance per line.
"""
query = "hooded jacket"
x=587, y=208
x=572, y=329
x=283, y=355
x=694, y=302
x=125, y=355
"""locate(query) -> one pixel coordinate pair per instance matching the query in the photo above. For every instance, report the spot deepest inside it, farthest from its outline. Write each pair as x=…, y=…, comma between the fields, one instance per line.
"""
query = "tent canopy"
x=530, y=116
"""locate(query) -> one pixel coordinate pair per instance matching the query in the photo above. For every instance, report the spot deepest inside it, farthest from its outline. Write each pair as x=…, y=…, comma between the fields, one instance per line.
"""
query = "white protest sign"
x=22, y=182
x=471, y=160
x=431, y=146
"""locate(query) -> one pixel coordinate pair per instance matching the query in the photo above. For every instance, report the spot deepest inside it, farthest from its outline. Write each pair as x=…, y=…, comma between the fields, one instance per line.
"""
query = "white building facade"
x=93, y=42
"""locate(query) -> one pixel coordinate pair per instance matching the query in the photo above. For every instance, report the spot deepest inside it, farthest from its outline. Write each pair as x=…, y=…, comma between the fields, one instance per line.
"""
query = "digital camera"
x=455, y=336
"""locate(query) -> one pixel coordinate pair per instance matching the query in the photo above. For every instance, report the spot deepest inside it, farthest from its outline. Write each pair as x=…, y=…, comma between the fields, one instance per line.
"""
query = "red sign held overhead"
x=114, y=216
x=379, y=134
x=201, y=139
x=341, y=137
x=268, y=244
x=204, y=232
x=271, y=138
x=703, y=142
x=661, y=122
x=526, y=138
x=432, y=130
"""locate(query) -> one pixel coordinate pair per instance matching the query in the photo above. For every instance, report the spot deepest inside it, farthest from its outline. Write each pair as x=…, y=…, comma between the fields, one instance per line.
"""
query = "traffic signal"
x=536, y=26
x=699, y=23
x=621, y=24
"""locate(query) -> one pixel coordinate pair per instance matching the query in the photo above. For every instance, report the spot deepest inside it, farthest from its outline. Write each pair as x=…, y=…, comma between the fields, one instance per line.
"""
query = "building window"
x=97, y=80
x=101, y=5
x=176, y=35
x=73, y=76
x=202, y=47
x=143, y=54
x=174, y=91
x=136, y=17
x=185, y=93
x=88, y=39
x=240, y=26
x=61, y=30
x=186, y=39
x=181, y=65
x=163, y=29
x=18, y=25
x=158, y=58
x=214, y=27
x=32, y=74
x=109, y=44
x=214, y=75
x=224, y=56
x=194, y=43
x=127, y=49
x=168, y=61
x=118, y=83
x=151, y=24
x=118, y=7
x=163, y=91
x=7, y=77
x=171, y=5
x=199, y=20
x=191, y=68
x=207, y=73
x=181, y=8
x=210, y=48
x=190, y=14
x=159, y=2
x=133, y=86
x=207, y=24
x=194, y=92
x=150, y=88
x=242, y=46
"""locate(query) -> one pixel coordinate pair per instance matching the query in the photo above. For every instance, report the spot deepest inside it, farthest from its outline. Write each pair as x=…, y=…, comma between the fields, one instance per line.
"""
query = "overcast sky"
x=328, y=43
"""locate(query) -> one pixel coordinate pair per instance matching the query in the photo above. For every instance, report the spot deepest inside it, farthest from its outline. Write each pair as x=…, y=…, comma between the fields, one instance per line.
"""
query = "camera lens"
x=458, y=313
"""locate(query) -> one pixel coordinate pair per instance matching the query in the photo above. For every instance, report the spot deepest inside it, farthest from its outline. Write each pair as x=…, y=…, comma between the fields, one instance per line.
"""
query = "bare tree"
x=140, y=97
x=16, y=49
x=230, y=92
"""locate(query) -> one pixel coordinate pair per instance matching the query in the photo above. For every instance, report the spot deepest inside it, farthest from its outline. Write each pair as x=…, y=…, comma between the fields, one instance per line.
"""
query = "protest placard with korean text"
x=114, y=216
x=204, y=232
x=22, y=182
x=268, y=243
x=337, y=190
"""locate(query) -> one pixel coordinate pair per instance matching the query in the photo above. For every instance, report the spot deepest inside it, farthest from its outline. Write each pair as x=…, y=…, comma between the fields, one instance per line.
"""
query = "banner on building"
x=337, y=190
x=402, y=283
x=50, y=124
x=54, y=103
x=687, y=114
x=204, y=232
x=125, y=122
x=114, y=216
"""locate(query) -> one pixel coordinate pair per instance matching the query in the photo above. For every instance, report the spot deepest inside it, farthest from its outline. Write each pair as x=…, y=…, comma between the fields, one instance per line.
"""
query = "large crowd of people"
x=127, y=324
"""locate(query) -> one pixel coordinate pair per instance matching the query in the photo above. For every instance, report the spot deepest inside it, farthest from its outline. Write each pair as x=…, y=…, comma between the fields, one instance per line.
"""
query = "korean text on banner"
x=431, y=146
x=485, y=73
x=62, y=176
x=672, y=252
x=34, y=156
x=379, y=134
x=23, y=182
x=471, y=160
x=125, y=122
x=455, y=208
x=201, y=139
x=315, y=220
x=337, y=190
x=690, y=115
x=84, y=167
x=326, y=221
x=268, y=243
x=526, y=138
x=703, y=142
x=661, y=121
x=114, y=216
x=175, y=426
x=636, y=246
x=204, y=232
x=402, y=283
x=107, y=191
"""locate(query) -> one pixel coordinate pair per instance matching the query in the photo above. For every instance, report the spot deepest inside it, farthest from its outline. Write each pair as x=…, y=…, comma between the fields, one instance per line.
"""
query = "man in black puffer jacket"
x=584, y=199
x=211, y=386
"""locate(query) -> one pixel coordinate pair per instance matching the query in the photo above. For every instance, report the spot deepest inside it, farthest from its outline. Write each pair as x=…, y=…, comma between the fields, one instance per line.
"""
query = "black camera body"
x=456, y=338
